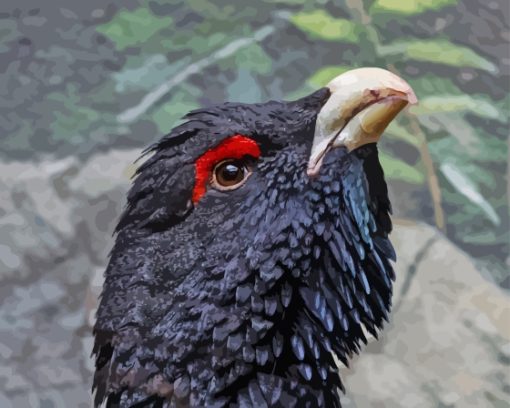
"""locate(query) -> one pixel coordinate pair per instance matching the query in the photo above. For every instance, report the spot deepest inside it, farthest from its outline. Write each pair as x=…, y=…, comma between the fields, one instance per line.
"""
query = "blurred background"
x=84, y=86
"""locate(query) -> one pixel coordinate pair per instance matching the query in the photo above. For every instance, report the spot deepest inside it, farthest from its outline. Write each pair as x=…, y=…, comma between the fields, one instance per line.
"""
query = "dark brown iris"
x=229, y=173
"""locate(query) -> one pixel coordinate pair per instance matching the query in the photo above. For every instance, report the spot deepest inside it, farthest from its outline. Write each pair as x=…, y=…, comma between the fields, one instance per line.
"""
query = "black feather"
x=245, y=297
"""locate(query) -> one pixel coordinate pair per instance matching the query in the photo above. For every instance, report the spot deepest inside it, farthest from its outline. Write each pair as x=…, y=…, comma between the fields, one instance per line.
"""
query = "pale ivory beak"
x=362, y=104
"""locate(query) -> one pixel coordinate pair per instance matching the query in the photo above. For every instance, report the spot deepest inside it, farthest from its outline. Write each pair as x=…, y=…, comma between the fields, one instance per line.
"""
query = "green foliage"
x=146, y=73
x=468, y=160
x=408, y=7
x=457, y=103
x=252, y=58
x=399, y=170
x=438, y=52
x=220, y=12
x=250, y=52
x=432, y=84
x=169, y=113
x=244, y=88
x=129, y=28
x=8, y=32
x=319, y=24
x=326, y=74
x=72, y=118
x=287, y=2
x=204, y=40
x=399, y=132
x=468, y=189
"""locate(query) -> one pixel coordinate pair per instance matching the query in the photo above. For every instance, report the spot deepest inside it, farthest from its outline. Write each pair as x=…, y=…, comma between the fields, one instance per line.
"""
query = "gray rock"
x=444, y=343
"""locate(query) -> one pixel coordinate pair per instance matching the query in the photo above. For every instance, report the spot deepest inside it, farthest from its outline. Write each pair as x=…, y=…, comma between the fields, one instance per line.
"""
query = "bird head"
x=253, y=252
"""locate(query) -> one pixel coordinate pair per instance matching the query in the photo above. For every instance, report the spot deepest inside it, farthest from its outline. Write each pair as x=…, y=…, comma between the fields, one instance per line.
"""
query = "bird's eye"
x=229, y=174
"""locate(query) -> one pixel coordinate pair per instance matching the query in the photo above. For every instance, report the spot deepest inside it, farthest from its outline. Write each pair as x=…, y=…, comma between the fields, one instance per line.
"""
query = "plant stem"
x=432, y=180
x=426, y=158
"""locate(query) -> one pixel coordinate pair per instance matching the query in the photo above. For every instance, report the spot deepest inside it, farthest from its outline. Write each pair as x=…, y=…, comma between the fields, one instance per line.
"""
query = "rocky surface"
x=448, y=341
x=447, y=345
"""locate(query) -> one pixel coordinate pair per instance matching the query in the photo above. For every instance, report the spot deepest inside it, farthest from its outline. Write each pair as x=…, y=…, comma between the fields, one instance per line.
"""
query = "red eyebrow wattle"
x=234, y=147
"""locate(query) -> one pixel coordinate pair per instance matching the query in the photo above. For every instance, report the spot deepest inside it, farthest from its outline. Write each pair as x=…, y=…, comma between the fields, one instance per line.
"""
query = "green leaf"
x=408, y=7
x=453, y=125
x=465, y=140
x=244, y=88
x=212, y=11
x=319, y=24
x=198, y=44
x=182, y=102
x=397, y=131
x=399, y=170
x=432, y=84
x=73, y=121
x=456, y=103
x=287, y=2
x=481, y=237
x=451, y=150
x=300, y=92
x=147, y=72
x=438, y=52
x=467, y=188
x=468, y=220
x=130, y=28
x=253, y=58
x=326, y=74
x=72, y=118
x=8, y=32
x=490, y=148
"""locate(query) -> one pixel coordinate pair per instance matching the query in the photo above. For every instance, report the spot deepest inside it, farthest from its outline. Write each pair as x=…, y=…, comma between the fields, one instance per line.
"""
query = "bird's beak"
x=362, y=104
